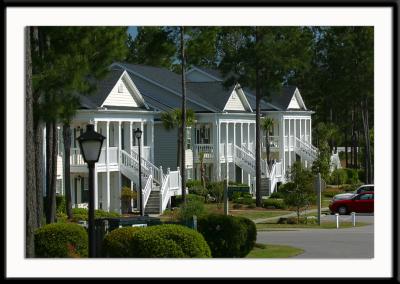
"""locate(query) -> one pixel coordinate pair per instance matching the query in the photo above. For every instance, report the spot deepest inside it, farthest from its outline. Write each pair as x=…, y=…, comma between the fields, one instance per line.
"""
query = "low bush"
x=189, y=197
x=338, y=177
x=279, y=194
x=237, y=206
x=331, y=192
x=274, y=203
x=352, y=176
x=193, y=183
x=61, y=240
x=192, y=208
x=117, y=242
x=82, y=214
x=227, y=236
x=216, y=190
x=251, y=206
x=172, y=241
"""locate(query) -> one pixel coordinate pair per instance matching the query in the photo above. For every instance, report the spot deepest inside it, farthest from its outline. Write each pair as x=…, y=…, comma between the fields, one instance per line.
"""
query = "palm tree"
x=202, y=169
x=267, y=124
x=172, y=120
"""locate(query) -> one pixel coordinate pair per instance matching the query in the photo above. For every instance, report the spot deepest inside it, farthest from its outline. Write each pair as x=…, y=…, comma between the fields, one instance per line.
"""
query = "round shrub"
x=251, y=238
x=116, y=243
x=172, y=241
x=227, y=236
x=191, y=242
x=61, y=240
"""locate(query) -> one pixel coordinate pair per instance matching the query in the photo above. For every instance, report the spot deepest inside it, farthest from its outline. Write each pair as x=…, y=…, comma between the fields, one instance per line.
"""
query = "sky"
x=132, y=31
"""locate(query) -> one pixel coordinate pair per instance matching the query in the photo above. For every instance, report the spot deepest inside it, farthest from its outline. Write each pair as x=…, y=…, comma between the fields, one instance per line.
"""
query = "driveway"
x=355, y=242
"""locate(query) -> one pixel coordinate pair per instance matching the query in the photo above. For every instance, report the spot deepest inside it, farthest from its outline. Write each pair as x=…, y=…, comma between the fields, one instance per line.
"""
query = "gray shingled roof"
x=103, y=89
x=212, y=92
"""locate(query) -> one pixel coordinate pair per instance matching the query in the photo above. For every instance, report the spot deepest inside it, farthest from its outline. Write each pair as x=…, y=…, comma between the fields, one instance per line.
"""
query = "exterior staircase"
x=153, y=204
x=158, y=187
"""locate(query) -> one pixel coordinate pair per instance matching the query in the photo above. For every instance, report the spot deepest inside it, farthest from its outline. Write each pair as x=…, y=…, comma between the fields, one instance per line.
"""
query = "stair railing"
x=147, y=190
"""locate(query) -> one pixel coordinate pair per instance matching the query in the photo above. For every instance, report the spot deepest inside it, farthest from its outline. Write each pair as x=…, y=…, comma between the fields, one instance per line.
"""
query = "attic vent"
x=121, y=88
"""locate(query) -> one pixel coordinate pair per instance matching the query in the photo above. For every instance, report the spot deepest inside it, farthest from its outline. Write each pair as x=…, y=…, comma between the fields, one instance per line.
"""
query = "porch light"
x=138, y=133
x=90, y=144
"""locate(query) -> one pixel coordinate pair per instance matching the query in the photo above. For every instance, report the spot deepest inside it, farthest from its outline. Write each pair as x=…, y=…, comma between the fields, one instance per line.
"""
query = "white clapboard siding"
x=121, y=95
x=294, y=104
x=234, y=102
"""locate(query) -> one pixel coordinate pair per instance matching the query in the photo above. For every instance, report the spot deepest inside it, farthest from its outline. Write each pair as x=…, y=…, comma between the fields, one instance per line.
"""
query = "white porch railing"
x=145, y=151
x=273, y=141
x=147, y=166
x=222, y=147
x=207, y=149
x=76, y=158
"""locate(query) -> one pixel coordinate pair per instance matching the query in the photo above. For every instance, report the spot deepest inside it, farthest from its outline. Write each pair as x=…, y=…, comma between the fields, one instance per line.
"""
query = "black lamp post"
x=138, y=134
x=90, y=144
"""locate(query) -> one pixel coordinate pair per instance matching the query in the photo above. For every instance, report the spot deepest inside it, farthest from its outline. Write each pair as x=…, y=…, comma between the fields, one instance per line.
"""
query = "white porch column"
x=248, y=147
x=96, y=189
x=107, y=205
x=310, y=132
x=294, y=133
x=226, y=151
x=142, y=139
x=233, y=146
x=151, y=141
x=130, y=137
x=241, y=142
x=283, y=144
x=216, y=137
x=290, y=152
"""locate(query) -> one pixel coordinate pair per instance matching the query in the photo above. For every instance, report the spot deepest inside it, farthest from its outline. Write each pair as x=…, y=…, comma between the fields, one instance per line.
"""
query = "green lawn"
x=273, y=251
x=324, y=225
x=252, y=214
x=258, y=214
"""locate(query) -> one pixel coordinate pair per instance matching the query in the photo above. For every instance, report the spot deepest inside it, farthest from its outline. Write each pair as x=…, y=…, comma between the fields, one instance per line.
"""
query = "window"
x=121, y=88
x=203, y=134
x=365, y=196
x=188, y=138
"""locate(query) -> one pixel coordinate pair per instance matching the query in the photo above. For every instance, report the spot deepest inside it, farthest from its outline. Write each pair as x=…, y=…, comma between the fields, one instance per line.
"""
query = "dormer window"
x=121, y=88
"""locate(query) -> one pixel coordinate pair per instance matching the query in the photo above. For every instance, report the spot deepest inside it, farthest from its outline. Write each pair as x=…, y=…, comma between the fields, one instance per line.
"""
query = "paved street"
x=327, y=243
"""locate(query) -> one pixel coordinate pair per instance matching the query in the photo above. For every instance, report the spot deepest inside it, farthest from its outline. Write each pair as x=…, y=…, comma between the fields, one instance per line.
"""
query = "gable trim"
x=162, y=86
x=129, y=84
x=299, y=99
x=239, y=92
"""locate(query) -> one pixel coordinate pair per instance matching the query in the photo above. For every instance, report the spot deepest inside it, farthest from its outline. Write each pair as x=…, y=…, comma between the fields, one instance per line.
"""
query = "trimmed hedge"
x=61, y=240
x=82, y=214
x=156, y=241
x=227, y=236
x=276, y=203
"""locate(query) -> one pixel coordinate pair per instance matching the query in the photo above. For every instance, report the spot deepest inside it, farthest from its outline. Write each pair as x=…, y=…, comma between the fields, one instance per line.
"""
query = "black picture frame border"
x=394, y=4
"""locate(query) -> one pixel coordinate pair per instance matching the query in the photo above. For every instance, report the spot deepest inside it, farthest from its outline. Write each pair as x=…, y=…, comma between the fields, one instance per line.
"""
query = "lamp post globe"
x=90, y=144
x=138, y=135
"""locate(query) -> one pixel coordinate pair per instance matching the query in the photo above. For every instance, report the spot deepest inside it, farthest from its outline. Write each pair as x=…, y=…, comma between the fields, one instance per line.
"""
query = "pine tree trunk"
x=67, y=168
x=183, y=130
x=258, y=140
x=367, y=154
x=49, y=141
x=268, y=150
x=53, y=175
x=39, y=170
x=30, y=190
x=345, y=148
